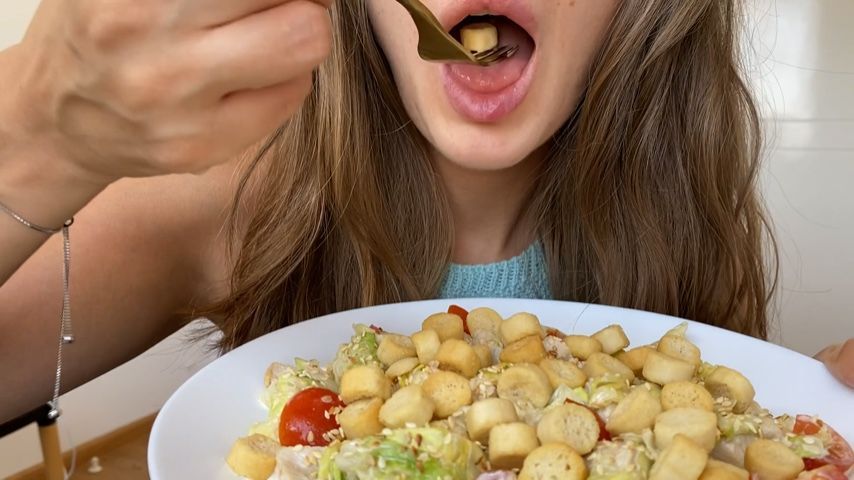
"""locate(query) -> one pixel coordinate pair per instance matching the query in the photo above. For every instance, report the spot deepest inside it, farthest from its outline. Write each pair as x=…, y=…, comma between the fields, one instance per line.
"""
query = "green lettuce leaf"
x=361, y=350
x=563, y=393
x=606, y=390
x=413, y=453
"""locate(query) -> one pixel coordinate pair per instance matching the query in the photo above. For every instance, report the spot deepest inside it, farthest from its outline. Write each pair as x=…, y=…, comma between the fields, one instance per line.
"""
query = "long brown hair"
x=648, y=198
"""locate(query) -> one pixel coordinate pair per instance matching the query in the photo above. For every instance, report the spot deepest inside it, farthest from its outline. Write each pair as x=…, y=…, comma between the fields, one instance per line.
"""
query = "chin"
x=475, y=147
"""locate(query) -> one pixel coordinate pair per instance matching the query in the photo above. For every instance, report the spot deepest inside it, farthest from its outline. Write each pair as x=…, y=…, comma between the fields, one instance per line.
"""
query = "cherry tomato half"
x=462, y=313
x=839, y=453
x=827, y=472
x=308, y=416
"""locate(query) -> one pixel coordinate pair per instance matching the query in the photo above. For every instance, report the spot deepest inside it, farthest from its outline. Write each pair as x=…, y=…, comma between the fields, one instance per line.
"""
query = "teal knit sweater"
x=523, y=276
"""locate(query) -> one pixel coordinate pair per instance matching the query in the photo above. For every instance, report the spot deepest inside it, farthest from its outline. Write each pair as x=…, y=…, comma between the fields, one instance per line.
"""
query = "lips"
x=517, y=10
x=489, y=94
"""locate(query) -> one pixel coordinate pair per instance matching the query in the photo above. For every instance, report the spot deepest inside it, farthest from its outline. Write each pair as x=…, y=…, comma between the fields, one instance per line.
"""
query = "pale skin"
x=139, y=143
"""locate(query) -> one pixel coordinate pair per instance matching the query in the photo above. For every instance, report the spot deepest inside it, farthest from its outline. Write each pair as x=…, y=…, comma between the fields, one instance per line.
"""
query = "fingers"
x=158, y=94
x=266, y=48
x=210, y=13
x=247, y=117
x=196, y=142
x=840, y=361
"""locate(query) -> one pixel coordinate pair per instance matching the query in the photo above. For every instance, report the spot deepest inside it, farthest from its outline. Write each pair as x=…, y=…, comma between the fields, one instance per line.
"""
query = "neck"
x=489, y=208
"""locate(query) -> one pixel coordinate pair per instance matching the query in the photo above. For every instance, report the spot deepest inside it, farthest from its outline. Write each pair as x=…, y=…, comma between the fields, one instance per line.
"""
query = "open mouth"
x=486, y=94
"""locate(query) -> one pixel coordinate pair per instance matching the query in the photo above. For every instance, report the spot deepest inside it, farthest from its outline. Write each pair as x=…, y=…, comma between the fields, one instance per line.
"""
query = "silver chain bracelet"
x=66, y=335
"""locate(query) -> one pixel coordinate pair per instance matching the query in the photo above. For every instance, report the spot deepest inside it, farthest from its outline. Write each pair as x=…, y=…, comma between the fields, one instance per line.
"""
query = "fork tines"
x=495, y=54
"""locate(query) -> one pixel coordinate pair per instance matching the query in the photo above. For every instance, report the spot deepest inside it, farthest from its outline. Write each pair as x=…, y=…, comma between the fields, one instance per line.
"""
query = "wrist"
x=43, y=191
x=38, y=179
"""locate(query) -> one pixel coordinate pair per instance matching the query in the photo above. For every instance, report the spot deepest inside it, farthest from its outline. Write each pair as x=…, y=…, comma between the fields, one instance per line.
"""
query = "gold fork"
x=437, y=45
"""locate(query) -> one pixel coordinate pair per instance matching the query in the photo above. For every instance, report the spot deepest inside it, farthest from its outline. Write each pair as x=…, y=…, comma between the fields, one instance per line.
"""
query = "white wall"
x=14, y=16
x=804, y=64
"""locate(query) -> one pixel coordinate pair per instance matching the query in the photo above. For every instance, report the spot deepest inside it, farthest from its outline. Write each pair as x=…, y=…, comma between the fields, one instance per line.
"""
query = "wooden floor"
x=122, y=455
x=126, y=462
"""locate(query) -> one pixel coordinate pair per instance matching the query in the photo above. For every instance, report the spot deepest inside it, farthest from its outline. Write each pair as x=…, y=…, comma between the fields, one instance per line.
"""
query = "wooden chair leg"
x=52, y=452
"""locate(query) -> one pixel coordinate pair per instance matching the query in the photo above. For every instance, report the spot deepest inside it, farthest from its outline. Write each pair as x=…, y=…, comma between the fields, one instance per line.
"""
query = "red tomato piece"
x=308, y=416
x=604, y=434
x=839, y=452
x=827, y=472
x=462, y=313
x=553, y=332
x=806, y=425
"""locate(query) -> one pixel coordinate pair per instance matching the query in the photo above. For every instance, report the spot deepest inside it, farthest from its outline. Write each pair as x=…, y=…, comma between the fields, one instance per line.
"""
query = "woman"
x=612, y=160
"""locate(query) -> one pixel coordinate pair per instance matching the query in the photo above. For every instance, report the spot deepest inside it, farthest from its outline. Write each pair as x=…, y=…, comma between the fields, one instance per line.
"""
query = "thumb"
x=839, y=359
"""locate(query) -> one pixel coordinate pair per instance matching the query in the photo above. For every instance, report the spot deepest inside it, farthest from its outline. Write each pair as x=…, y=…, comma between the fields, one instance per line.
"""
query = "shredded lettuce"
x=627, y=458
x=417, y=375
x=755, y=421
x=485, y=383
x=361, y=350
x=606, y=389
x=733, y=424
x=327, y=468
x=416, y=453
x=563, y=393
x=806, y=446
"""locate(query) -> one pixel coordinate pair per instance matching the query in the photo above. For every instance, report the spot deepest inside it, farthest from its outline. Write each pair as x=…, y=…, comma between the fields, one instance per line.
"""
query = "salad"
x=475, y=396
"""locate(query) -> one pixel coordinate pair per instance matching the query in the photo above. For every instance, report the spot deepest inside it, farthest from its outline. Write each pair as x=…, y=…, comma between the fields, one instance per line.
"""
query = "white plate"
x=196, y=427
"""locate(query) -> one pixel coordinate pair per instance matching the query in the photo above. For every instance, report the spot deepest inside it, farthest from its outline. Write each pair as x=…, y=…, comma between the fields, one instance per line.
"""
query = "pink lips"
x=488, y=94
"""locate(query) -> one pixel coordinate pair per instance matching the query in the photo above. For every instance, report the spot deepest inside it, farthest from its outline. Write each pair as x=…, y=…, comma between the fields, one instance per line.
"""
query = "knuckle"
x=142, y=87
x=318, y=43
x=139, y=96
x=108, y=25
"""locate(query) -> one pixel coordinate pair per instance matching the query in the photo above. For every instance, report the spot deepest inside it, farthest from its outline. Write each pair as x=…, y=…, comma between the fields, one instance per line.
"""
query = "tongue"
x=505, y=73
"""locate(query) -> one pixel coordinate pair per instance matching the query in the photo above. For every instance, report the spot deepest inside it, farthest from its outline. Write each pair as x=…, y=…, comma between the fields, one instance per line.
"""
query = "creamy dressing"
x=296, y=463
x=556, y=348
x=497, y=475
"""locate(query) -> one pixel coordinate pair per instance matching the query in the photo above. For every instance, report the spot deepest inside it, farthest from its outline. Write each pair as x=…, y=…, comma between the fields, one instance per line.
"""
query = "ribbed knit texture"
x=523, y=276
